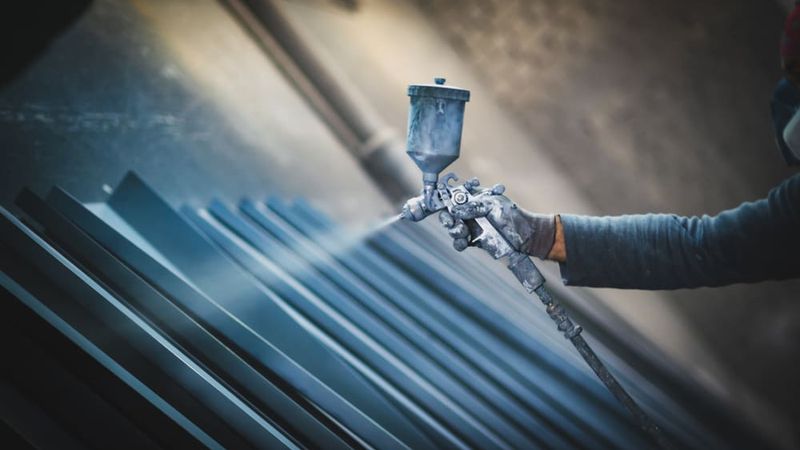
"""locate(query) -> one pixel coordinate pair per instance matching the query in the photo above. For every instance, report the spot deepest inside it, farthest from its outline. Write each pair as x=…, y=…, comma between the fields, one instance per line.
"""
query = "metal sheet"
x=417, y=252
x=286, y=408
x=377, y=341
x=545, y=385
x=72, y=410
x=379, y=306
x=240, y=332
x=565, y=409
x=314, y=273
x=355, y=317
x=154, y=360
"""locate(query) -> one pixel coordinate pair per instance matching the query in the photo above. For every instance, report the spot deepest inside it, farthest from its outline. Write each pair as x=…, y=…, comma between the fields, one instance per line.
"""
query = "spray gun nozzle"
x=414, y=210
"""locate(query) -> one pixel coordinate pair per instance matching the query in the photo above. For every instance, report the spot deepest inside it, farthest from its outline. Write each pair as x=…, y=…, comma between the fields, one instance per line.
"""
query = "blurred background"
x=578, y=106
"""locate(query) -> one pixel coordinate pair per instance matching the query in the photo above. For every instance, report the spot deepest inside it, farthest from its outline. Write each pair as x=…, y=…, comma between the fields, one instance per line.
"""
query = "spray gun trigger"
x=475, y=231
x=488, y=238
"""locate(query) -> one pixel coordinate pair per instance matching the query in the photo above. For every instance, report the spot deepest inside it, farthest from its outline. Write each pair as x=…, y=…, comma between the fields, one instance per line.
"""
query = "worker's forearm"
x=756, y=241
x=558, y=252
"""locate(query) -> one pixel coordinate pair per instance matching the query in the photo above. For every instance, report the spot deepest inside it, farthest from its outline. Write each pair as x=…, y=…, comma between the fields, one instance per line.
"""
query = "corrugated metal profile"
x=264, y=325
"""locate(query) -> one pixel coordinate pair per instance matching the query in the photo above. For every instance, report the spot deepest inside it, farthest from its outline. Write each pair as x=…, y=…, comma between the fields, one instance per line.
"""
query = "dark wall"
x=640, y=102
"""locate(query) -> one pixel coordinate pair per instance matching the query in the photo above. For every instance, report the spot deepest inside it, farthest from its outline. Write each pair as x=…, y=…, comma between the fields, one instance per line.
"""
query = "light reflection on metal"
x=314, y=335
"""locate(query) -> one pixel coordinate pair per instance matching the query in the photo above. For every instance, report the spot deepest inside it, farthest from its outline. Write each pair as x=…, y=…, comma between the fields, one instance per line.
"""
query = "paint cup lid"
x=438, y=90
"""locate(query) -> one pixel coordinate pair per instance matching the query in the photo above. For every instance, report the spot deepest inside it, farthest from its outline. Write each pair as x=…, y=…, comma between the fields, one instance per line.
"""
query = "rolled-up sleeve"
x=754, y=242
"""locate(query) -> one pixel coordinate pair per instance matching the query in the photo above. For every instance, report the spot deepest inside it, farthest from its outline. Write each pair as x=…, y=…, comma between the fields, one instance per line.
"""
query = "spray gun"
x=435, y=121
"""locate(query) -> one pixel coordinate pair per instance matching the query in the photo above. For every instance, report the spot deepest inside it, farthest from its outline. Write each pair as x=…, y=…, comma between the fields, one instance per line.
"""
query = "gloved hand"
x=527, y=232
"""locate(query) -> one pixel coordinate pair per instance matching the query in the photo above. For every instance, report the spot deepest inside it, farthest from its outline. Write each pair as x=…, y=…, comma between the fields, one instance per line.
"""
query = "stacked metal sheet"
x=263, y=324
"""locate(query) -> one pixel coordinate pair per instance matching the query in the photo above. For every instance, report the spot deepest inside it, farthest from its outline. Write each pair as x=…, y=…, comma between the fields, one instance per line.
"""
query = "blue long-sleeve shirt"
x=754, y=242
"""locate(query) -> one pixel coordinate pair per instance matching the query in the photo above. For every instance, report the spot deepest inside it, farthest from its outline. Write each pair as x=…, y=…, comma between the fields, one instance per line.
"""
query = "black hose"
x=528, y=274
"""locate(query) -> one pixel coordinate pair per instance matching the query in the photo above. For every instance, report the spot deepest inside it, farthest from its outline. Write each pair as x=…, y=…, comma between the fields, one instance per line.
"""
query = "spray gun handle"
x=532, y=280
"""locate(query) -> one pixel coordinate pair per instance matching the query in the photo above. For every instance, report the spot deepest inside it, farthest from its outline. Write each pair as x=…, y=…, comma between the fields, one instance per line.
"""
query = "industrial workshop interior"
x=400, y=224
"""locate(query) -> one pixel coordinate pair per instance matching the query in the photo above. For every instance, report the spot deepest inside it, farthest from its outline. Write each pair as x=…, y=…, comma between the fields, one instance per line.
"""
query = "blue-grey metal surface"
x=391, y=374
x=60, y=390
x=416, y=252
x=348, y=324
x=253, y=303
x=296, y=334
x=243, y=332
x=158, y=363
x=286, y=408
x=366, y=282
x=345, y=291
x=474, y=281
x=555, y=404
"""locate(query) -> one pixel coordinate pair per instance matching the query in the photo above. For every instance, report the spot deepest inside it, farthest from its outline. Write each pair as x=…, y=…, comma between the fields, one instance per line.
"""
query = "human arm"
x=558, y=252
x=756, y=241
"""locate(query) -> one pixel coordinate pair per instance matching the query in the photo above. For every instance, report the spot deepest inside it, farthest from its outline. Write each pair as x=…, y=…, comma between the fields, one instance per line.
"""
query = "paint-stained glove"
x=527, y=232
